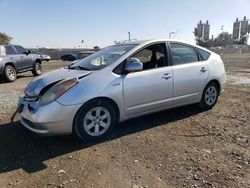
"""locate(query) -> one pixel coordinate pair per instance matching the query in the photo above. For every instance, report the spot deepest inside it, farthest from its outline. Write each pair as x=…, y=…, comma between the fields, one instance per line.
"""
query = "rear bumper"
x=50, y=119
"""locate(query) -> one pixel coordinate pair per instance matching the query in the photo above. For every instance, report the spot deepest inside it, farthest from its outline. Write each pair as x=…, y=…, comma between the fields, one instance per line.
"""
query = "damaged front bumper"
x=49, y=119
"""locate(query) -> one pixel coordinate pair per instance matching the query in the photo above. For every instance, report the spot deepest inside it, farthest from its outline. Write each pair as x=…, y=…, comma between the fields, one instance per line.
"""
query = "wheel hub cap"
x=10, y=73
x=211, y=95
x=97, y=121
x=38, y=68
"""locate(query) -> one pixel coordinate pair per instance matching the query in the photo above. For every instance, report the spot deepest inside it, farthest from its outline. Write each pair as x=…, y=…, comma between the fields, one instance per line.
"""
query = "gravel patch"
x=8, y=103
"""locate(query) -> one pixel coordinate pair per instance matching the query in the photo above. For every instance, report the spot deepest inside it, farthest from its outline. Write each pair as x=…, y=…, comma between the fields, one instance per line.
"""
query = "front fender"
x=95, y=86
x=36, y=58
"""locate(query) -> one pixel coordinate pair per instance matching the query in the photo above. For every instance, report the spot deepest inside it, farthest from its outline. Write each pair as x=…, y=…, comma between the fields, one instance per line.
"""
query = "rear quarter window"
x=204, y=54
x=9, y=50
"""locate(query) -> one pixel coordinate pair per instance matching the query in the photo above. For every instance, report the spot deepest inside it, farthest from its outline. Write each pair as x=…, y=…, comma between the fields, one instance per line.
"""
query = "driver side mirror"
x=27, y=52
x=134, y=65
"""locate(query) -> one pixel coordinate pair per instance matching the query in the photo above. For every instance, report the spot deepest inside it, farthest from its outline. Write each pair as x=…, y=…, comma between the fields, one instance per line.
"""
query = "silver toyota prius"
x=120, y=82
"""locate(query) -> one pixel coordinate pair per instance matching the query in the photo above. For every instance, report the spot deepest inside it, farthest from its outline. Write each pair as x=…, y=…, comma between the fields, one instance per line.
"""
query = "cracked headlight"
x=57, y=90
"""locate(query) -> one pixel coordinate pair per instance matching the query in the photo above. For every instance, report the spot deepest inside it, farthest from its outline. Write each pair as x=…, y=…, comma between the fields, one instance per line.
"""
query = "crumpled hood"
x=36, y=85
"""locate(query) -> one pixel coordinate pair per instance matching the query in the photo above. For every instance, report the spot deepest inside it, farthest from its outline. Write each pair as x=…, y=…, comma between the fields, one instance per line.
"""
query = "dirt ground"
x=184, y=147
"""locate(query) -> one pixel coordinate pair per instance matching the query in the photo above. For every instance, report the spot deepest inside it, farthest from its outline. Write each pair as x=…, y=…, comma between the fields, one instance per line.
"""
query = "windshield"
x=103, y=58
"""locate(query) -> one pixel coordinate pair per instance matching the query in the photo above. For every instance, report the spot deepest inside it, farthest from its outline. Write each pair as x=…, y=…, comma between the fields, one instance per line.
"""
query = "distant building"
x=240, y=35
x=202, y=30
x=236, y=29
x=201, y=33
x=241, y=30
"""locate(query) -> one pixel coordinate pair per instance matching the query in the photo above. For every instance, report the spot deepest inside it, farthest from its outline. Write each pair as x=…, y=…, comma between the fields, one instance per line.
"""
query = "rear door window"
x=183, y=54
x=9, y=50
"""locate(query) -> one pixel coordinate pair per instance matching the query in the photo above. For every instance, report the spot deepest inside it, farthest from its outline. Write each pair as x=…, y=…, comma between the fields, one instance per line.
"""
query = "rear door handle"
x=203, y=69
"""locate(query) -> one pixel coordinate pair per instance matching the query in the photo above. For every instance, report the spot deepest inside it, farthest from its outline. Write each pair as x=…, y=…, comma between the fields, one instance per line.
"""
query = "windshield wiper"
x=83, y=68
x=77, y=67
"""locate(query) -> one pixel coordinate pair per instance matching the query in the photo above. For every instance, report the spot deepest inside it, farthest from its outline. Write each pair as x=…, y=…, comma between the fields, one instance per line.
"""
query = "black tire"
x=81, y=117
x=37, y=70
x=10, y=73
x=210, y=96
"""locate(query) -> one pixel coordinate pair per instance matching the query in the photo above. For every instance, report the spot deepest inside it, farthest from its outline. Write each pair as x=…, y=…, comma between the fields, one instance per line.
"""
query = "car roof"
x=145, y=42
x=151, y=41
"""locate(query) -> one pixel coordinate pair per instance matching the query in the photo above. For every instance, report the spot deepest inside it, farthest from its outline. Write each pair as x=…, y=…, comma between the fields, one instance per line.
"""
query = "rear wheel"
x=9, y=73
x=209, y=96
x=95, y=120
x=37, y=70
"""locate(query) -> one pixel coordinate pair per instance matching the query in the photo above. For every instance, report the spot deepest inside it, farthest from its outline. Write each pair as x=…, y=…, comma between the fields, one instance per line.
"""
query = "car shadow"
x=21, y=149
x=24, y=76
x=2, y=81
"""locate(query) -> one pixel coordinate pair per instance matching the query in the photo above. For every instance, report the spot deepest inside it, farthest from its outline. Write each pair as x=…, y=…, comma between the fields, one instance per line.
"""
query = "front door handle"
x=166, y=76
x=203, y=69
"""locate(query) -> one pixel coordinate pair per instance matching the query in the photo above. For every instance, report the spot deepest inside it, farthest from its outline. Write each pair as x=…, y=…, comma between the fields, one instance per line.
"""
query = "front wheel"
x=209, y=96
x=95, y=120
x=37, y=70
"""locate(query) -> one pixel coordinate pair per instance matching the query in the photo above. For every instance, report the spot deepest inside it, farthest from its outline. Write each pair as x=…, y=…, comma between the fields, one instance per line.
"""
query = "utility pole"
x=129, y=36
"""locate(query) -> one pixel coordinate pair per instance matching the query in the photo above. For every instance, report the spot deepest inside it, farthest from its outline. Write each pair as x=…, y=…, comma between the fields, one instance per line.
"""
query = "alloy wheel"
x=211, y=95
x=97, y=121
x=11, y=73
x=38, y=68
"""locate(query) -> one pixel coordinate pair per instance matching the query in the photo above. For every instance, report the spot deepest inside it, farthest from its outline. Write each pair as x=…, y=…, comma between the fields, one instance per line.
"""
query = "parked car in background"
x=43, y=56
x=15, y=59
x=84, y=54
x=121, y=82
x=69, y=57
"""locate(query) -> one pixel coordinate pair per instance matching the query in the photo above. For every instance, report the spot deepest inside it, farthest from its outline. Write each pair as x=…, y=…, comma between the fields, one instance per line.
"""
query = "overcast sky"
x=65, y=23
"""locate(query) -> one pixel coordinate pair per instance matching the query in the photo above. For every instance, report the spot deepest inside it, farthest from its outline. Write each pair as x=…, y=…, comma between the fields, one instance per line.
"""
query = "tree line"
x=4, y=38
